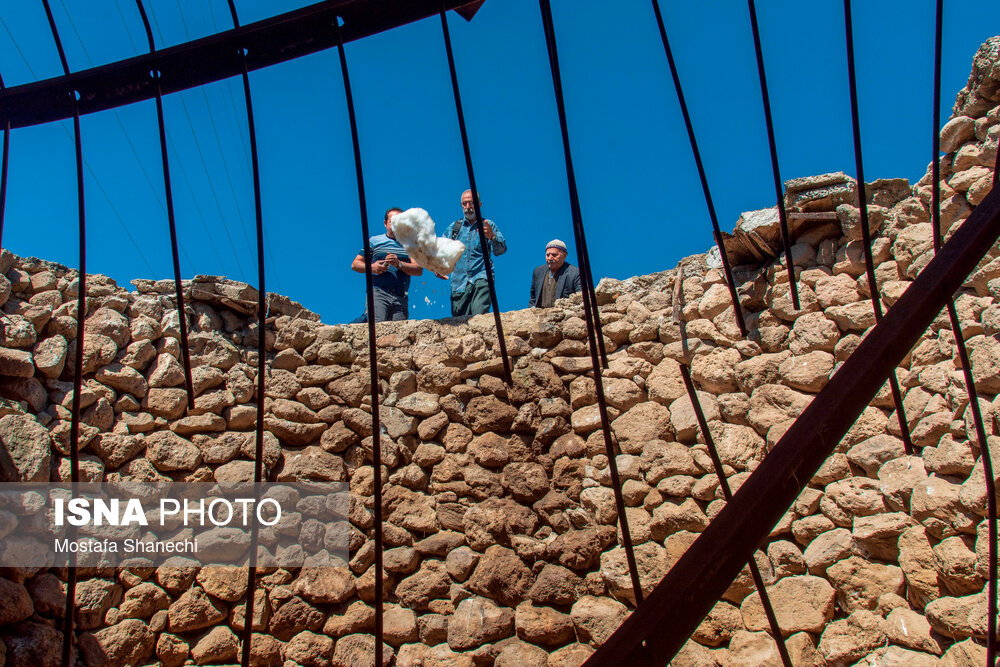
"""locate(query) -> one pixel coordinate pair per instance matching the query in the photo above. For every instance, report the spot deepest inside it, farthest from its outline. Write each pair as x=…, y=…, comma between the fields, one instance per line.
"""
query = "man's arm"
x=358, y=265
x=576, y=284
x=411, y=268
x=497, y=242
x=531, y=299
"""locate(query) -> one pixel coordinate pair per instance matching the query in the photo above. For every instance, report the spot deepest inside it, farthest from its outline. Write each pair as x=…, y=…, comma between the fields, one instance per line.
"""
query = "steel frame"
x=654, y=633
x=269, y=42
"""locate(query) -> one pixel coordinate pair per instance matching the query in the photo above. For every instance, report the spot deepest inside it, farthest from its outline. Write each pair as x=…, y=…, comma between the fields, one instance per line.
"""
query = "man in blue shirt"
x=391, y=271
x=470, y=293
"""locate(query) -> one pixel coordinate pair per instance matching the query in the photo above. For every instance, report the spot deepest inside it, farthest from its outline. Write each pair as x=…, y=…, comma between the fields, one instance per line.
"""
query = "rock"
x=682, y=415
x=194, y=610
x=431, y=581
x=596, y=618
x=542, y=625
x=495, y=520
x=502, y=576
x=16, y=363
x=909, y=629
x=950, y=616
x=477, y=621
x=852, y=497
x=516, y=653
x=33, y=645
x=15, y=602
x=218, y=646
x=826, y=549
x=489, y=414
x=849, y=639
x=325, y=585
x=651, y=561
x=129, y=642
x=642, y=423
x=312, y=464
x=860, y=583
x=870, y=454
x=573, y=655
x=144, y=600
x=772, y=404
x=804, y=603
x=935, y=503
x=360, y=650
x=50, y=356
x=877, y=537
x=808, y=372
x=168, y=451
x=293, y=617
x=26, y=445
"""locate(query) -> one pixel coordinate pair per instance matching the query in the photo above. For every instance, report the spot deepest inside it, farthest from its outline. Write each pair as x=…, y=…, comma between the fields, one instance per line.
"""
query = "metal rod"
x=372, y=350
x=275, y=40
x=873, y=288
x=3, y=169
x=592, y=333
x=657, y=629
x=175, y=256
x=592, y=314
x=963, y=353
x=258, y=467
x=727, y=493
x=81, y=316
x=480, y=221
x=716, y=230
x=778, y=185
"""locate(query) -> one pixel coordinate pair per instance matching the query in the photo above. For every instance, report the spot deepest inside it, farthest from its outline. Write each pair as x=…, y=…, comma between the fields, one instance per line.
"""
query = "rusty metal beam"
x=269, y=42
x=657, y=629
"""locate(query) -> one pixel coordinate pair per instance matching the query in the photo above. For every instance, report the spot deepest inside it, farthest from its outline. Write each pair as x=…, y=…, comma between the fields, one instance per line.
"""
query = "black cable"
x=963, y=355
x=480, y=221
x=778, y=185
x=3, y=170
x=204, y=163
x=258, y=471
x=171, y=223
x=716, y=230
x=873, y=288
x=592, y=314
x=727, y=494
x=372, y=351
x=81, y=316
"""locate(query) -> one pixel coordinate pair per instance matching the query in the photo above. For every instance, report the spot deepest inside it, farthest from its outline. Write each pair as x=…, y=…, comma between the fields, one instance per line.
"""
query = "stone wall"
x=501, y=541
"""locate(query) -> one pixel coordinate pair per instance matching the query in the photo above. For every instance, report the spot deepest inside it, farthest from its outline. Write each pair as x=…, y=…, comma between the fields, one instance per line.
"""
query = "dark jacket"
x=567, y=282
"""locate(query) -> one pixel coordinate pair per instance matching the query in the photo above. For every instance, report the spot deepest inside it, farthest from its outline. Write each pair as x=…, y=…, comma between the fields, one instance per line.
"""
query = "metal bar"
x=165, y=161
x=3, y=169
x=372, y=351
x=778, y=185
x=589, y=294
x=480, y=224
x=550, y=41
x=74, y=438
x=196, y=63
x=716, y=230
x=963, y=354
x=727, y=493
x=258, y=461
x=655, y=631
x=873, y=289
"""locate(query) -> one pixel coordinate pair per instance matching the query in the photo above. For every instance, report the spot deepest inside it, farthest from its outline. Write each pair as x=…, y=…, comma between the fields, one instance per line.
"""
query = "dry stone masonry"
x=501, y=539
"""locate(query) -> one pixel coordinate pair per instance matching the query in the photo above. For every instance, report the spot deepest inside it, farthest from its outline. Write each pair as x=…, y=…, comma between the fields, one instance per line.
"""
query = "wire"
x=204, y=163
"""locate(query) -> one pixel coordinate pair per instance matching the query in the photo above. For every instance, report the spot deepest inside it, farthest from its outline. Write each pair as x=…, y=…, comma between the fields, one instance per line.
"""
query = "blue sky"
x=641, y=200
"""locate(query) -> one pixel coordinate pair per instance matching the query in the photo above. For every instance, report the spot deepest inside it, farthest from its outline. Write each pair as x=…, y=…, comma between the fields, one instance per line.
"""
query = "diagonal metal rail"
x=654, y=633
x=269, y=42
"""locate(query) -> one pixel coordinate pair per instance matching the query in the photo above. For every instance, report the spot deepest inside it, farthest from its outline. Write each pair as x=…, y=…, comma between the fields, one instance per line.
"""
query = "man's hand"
x=488, y=231
x=392, y=259
x=440, y=276
x=379, y=267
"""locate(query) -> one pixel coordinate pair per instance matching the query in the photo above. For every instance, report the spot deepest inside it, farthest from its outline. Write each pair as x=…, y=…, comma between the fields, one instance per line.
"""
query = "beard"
x=470, y=215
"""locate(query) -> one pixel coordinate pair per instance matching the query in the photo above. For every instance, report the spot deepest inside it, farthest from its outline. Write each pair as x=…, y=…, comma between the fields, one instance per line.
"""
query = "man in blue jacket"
x=470, y=293
x=555, y=279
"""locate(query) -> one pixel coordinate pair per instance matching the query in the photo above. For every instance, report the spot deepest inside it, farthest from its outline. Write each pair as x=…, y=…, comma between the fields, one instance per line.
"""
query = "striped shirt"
x=393, y=280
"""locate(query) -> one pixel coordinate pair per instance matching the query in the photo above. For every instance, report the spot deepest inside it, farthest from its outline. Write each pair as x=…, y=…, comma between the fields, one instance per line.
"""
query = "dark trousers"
x=475, y=300
x=390, y=307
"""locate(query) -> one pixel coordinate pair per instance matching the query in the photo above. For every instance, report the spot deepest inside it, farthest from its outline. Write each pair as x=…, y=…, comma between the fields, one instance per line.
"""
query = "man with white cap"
x=555, y=279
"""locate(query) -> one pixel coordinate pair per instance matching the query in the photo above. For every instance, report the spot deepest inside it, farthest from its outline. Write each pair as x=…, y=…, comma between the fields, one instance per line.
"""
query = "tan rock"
x=802, y=603
x=129, y=642
x=860, y=583
x=642, y=423
x=909, y=629
x=808, y=372
x=596, y=618
x=847, y=640
x=477, y=621
x=218, y=646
